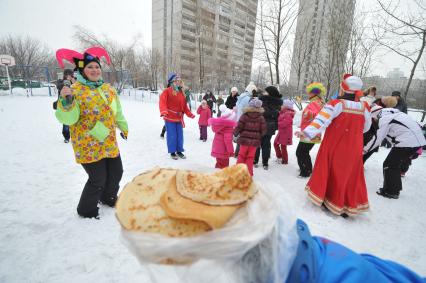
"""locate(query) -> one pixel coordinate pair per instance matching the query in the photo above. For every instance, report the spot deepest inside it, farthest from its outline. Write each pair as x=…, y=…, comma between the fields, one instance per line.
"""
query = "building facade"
x=209, y=42
x=321, y=43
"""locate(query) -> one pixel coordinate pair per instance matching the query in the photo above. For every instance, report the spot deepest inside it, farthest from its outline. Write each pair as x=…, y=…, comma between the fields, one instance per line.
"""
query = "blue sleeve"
x=321, y=260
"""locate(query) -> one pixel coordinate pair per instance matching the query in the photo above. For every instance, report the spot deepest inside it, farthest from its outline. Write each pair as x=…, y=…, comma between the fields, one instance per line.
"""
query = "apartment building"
x=321, y=43
x=209, y=42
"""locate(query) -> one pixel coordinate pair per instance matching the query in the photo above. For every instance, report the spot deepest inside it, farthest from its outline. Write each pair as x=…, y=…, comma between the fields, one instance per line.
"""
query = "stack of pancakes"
x=181, y=203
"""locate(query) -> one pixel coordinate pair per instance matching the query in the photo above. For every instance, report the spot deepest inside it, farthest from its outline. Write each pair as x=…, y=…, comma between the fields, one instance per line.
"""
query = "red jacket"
x=308, y=115
x=173, y=106
x=285, y=127
x=205, y=115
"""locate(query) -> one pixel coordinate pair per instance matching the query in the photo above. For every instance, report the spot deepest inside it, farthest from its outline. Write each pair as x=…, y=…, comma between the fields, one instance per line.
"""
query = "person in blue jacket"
x=321, y=260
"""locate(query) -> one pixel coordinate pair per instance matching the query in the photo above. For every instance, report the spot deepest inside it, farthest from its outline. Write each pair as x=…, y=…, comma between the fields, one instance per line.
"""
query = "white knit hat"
x=224, y=111
x=351, y=84
x=251, y=86
x=234, y=89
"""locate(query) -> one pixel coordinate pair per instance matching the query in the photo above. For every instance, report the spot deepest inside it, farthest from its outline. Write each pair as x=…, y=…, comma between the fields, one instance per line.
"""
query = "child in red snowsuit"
x=285, y=131
x=205, y=113
x=251, y=127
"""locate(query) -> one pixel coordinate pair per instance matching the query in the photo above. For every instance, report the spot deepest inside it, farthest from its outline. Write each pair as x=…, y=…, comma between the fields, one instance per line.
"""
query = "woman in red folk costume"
x=337, y=180
x=173, y=106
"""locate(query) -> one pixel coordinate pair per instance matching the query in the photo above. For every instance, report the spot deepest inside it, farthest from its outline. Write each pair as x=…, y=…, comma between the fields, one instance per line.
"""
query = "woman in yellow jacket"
x=92, y=110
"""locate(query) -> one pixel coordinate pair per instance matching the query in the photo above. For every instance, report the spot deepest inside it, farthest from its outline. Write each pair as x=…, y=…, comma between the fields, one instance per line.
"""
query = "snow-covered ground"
x=43, y=240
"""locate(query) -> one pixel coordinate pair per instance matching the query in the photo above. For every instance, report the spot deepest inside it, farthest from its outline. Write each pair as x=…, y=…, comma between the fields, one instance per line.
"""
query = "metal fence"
x=34, y=78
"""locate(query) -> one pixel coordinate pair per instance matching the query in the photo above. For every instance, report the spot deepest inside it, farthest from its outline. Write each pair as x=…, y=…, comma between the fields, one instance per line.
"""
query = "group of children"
x=246, y=130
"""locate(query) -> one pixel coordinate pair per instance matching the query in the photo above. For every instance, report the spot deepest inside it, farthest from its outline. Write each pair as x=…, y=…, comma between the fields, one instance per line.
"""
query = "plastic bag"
x=247, y=249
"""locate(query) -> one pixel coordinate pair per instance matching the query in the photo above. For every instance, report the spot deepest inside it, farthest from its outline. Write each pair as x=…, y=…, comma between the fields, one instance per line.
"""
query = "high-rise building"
x=321, y=43
x=209, y=42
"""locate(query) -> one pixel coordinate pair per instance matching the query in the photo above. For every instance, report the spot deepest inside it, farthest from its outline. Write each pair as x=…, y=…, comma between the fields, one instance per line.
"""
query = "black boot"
x=109, y=201
x=383, y=193
x=181, y=155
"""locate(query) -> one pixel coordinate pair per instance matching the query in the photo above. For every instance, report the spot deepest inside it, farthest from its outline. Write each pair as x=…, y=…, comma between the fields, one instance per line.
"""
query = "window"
x=224, y=20
x=188, y=49
x=188, y=38
x=188, y=18
x=187, y=58
x=209, y=4
x=188, y=28
x=223, y=28
x=225, y=11
x=238, y=34
x=241, y=7
x=240, y=25
x=188, y=7
x=222, y=38
x=221, y=46
x=238, y=42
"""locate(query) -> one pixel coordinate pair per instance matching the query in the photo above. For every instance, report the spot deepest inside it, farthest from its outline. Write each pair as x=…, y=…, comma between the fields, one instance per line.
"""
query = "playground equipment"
x=7, y=60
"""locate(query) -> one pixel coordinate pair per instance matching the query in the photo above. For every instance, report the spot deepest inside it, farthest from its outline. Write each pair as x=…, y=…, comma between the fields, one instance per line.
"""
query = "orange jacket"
x=173, y=105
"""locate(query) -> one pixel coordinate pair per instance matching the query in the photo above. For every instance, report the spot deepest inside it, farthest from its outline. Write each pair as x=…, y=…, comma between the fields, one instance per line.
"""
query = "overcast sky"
x=52, y=22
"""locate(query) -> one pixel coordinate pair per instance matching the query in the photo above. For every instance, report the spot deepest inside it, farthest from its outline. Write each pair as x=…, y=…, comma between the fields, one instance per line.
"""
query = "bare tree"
x=117, y=52
x=30, y=54
x=406, y=32
x=275, y=24
x=259, y=76
x=362, y=45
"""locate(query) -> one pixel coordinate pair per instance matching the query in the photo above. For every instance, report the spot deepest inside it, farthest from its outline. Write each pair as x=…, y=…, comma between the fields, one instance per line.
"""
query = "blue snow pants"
x=321, y=260
x=174, y=137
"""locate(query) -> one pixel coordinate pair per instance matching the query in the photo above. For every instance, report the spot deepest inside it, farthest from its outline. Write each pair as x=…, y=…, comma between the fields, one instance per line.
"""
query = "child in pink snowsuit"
x=285, y=131
x=205, y=113
x=223, y=128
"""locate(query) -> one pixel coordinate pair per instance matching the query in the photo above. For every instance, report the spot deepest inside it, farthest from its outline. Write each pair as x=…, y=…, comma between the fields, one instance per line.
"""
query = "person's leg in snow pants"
x=174, y=137
x=203, y=132
x=163, y=131
x=222, y=163
x=266, y=150
x=246, y=155
x=66, y=132
x=304, y=159
x=102, y=185
x=392, y=169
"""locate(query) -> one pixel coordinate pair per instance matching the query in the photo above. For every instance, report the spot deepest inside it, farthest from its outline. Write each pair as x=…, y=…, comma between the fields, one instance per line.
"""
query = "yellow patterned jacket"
x=93, y=118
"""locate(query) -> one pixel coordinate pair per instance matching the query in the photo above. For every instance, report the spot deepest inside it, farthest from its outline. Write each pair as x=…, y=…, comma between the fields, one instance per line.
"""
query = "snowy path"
x=43, y=240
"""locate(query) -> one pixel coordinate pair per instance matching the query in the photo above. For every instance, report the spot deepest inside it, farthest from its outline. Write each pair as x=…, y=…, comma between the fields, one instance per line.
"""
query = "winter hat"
x=316, y=88
x=255, y=103
x=273, y=91
x=234, y=89
x=396, y=93
x=251, y=87
x=225, y=112
x=389, y=101
x=92, y=54
x=172, y=77
x=287, y=103
x=351, y=84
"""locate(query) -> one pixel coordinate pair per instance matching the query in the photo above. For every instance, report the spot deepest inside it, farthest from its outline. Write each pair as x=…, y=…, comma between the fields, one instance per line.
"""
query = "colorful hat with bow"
x=92, y=54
